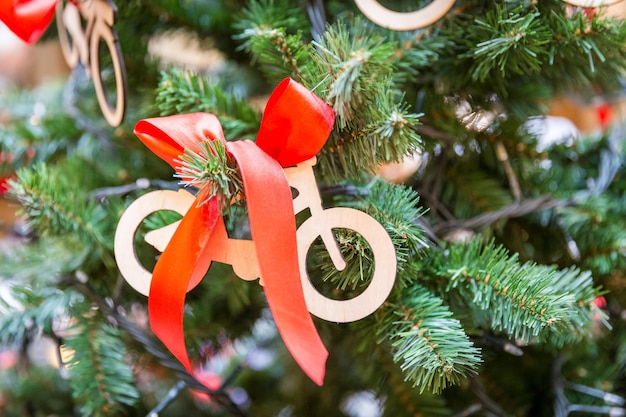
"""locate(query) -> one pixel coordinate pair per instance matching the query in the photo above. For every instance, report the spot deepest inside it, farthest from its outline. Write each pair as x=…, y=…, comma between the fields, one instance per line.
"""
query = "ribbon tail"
x=270, y=210
x=181, y=265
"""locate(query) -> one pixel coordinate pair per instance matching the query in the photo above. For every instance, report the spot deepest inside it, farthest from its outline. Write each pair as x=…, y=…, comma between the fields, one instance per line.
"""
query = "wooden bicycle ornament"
x=417, y=19
x=82, y=45
x=241, y=253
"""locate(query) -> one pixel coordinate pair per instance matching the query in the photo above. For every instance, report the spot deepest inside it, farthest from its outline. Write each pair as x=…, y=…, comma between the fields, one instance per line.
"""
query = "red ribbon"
x=28, y=19
x=295, y=126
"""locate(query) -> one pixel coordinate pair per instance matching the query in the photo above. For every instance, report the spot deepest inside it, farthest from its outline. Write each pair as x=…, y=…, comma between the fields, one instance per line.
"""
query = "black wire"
x=219, y=396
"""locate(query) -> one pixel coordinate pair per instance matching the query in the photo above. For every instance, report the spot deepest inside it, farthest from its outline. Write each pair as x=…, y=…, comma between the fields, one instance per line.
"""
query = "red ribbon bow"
x=28, y=19
x=295, y=126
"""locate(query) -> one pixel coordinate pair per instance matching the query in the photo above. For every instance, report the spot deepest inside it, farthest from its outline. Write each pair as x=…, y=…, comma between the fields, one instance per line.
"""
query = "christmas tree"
x=509, y=249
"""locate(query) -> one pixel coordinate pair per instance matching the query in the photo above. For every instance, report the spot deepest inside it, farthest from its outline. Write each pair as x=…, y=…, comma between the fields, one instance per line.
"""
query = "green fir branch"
x=29, y=313
x=214, y=170
x=584, y=51
x=54, y=207
x=396, y=208
x=402, y=400
x=394, y=137
x=185, y=92
x=351, y=64
x=265, y=28
x=525, y=301
x=598, y=227
x=42, y=262
x=274, y=13
x=469, y=191
x=353, y=69
x=429, y=343
x=389, y=137
x=277, y=53
x=102, y=382
x=583, y=312
x=519, y=51
x=349, y=69
x=416, y=55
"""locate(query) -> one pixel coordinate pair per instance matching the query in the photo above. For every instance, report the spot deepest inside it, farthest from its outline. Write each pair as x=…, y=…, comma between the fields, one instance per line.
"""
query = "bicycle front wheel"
x=384, y=254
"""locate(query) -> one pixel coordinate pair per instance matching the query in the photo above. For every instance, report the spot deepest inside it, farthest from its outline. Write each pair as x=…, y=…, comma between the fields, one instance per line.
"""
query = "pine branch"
x=470, y=191
x=597, y=226
x=389, y=136
x=525, y=301
x=401, y=399
x=277, y=53
x=349, y=65
x=220, y=395
x=43, y=261
x=214, y=171
x=352, y=69
x=101, y=380
x=415, y=55
x=34, y=133
x=35, y=313
x=359, y=258
x=430, y=344
x=54, y=208
x=185, y=92
x=397, y=209
x=517, y=52
x=584, y=51
x=265, y=28
x=583, y=311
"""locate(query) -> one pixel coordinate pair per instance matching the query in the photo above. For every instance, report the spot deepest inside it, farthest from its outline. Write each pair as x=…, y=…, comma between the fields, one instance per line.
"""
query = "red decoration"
x=295, y=126
x=600, y=302
x=4, y=184
x=605, y=115
x=590, y=12
x=28, y=19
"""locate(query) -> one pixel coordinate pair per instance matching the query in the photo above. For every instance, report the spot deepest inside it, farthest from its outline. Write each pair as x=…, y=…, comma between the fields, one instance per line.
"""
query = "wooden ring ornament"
x=68, y=16
x=591, y=3
x=103, y=30
x=404, y=21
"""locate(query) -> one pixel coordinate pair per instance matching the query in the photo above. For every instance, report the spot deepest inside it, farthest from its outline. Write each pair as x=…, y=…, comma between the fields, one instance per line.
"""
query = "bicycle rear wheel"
x=108, y=73
x=128, y=263
x=72, y=15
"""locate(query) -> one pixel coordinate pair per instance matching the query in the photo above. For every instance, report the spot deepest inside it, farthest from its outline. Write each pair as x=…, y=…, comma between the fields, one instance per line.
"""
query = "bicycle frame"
x=302, y=178
x=240, y=253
